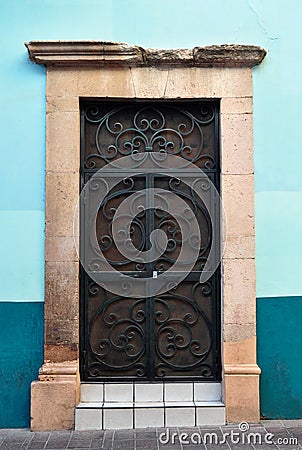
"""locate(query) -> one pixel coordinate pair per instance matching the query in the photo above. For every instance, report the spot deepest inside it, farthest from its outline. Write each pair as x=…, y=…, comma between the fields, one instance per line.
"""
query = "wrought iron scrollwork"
x=183, y=334
x=159, y=218
x=175, y=334
x=162, y=128
x=117, y=337
x=105, y=217
x=184, y=337
x=170, y=225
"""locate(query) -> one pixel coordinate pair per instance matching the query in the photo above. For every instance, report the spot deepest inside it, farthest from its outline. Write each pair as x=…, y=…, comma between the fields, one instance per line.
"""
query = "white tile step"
x=150, y=392
x=143, y=405
x=104, y=405
x=107, y=415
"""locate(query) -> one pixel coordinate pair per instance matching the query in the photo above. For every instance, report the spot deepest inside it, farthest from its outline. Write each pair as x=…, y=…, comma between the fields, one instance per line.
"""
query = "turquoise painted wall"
x=21, y=355
x=279, y=356
x=273, y=24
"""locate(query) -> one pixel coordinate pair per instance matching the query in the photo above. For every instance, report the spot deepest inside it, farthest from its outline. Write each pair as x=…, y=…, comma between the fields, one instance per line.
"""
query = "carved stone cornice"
x=96, y=53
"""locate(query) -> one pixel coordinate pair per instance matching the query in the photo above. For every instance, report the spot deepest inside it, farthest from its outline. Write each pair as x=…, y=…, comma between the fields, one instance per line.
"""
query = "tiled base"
x=123, y=406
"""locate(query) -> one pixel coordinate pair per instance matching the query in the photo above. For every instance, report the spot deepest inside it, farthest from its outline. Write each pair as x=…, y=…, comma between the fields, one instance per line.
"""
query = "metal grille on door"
x=174, y=334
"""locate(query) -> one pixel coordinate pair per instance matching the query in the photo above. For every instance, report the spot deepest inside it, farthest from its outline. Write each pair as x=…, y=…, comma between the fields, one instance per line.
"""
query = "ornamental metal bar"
x=174, y=335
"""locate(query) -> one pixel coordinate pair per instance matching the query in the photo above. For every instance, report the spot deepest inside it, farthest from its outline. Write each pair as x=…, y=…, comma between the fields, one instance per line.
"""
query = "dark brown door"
x=175, y=334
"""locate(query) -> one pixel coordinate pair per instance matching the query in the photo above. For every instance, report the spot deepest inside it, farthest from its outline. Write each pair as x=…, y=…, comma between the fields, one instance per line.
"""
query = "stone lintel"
x=98, y=53
x=228, y=55
x=83, y=53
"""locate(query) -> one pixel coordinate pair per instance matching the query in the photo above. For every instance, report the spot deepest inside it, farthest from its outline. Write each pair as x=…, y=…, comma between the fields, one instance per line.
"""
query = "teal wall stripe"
x=21, y=355
x=278, y=347
x=279, y=356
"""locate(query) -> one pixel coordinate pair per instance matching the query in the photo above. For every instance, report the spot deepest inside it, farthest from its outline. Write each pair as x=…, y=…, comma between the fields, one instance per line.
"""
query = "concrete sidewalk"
x=277, y=434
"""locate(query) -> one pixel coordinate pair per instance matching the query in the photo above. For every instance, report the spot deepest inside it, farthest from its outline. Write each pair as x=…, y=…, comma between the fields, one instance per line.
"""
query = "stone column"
x=241, y=373
x=56, y=393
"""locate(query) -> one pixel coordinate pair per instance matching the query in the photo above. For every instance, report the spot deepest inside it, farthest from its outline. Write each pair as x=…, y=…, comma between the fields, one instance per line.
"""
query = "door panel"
x=138, y=230
x=184, y=323
x=116, y=330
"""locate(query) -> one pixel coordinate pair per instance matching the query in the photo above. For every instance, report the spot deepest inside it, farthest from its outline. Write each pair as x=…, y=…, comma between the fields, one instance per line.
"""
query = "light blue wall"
x=273, y=24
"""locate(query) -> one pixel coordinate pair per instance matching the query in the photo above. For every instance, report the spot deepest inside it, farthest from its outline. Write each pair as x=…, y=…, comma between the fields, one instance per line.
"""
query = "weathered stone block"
x=237, y=144
x=240, y=352
x=237, y=192
x=239, y=291
x=62, y=332
x=242, y=398
x=149, y=82
x=235, y=332
x=62, y=191
x=52, y=405
x=239, y=247
x=61, y=81
x=236, y=105
x=61, y=291
x=62, y=248
x=55, y=103
x=63, y=141
x=198, y=82
x=105, y=82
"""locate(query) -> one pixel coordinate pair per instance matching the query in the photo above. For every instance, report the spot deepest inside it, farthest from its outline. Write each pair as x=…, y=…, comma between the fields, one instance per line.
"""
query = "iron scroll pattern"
x=170, y=226
x=105, y=217
x=160, y=219
x=181, y=321
x=184, y=334
x=185, y=130
x=175, y=335
x=117, y=337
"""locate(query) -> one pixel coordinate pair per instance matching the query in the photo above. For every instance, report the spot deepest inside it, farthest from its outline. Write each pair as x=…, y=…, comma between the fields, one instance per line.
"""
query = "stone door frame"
x=84, y=69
